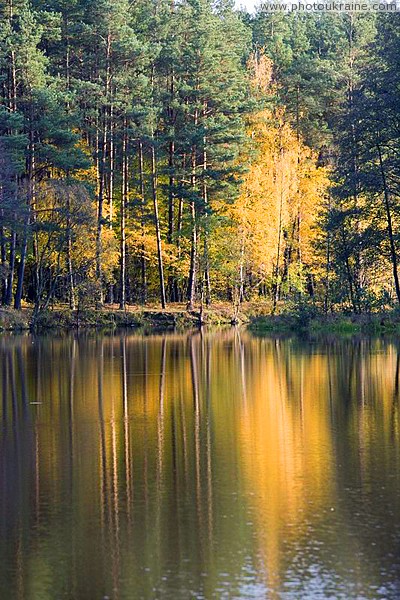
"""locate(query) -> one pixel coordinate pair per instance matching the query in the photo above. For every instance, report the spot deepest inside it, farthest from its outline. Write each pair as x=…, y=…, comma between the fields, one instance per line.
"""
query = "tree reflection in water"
x=209, y=464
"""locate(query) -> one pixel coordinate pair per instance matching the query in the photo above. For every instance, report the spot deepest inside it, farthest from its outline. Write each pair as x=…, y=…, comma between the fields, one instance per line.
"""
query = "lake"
x=203, y=465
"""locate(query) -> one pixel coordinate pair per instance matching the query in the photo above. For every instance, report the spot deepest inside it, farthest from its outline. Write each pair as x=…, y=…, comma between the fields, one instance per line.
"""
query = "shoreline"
x=135, y=317
x=177, y=317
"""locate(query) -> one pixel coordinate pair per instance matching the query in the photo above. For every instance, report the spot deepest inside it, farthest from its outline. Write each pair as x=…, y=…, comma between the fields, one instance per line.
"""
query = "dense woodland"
x=188, y=152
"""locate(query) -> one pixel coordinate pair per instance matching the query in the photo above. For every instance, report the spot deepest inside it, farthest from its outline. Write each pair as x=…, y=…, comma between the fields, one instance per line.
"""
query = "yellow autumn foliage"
x=274, y=218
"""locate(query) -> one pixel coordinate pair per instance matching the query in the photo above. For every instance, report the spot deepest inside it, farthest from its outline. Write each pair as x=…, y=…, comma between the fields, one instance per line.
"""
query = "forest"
x=189, y=152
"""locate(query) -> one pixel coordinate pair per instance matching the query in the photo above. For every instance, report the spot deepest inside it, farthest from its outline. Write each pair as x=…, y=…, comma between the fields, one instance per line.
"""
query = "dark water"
x=203, y=466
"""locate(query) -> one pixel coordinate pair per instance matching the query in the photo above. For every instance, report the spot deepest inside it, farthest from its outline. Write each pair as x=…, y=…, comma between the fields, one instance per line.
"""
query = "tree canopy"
x=188, y=152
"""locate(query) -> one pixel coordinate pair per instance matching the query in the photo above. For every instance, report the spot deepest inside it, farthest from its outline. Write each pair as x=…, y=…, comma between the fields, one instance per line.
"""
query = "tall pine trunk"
x=30, y=200
x=13, y=108
x=143, y=266
x=111, y=186
x=193, y=259
x=194, y=236
x=100, y=204
x=393, y=253
x=356, y=293
x=11, y=269
x=124, y=203
x=179, y=230
x=172, y=283
x=154, y=185
x=3, y=253
x=206, y=227
x=102, y=175
x=171, y=195
x=72, y=303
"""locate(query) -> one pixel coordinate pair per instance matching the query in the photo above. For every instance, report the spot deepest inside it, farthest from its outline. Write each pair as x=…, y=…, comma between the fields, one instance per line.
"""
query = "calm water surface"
x=199, y=466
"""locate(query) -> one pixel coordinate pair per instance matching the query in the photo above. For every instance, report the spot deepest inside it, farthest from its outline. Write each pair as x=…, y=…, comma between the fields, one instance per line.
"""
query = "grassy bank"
x=149, y=318
x=293, y=322
x=255, y=316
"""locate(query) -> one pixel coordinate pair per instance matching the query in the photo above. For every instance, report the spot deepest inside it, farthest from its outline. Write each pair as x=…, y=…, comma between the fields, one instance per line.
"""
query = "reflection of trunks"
x=204, y=465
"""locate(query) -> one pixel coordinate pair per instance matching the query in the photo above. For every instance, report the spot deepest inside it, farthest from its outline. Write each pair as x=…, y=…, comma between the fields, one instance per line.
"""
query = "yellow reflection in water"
x=286, y=446
x=182, y=465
